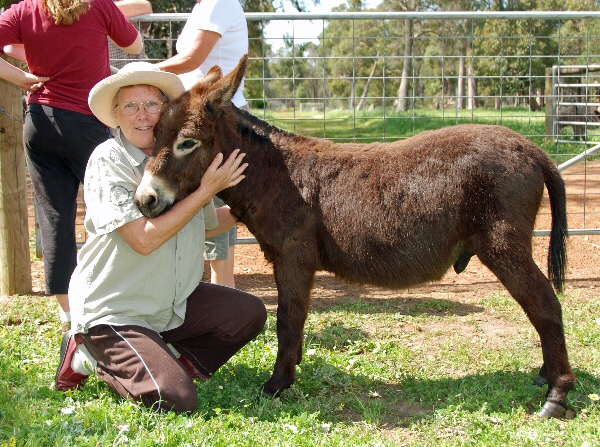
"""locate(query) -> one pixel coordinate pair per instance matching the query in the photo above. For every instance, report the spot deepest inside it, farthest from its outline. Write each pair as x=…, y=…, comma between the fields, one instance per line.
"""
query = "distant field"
x=375, y=125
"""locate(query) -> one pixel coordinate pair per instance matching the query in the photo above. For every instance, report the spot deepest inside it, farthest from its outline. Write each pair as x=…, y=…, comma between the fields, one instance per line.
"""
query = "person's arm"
x=226, y=222
x=136, y=47
x=203, y=44
x=26, y=81
x=119, y=21
x=132, y=8
x=145, y=234
x=16, y=51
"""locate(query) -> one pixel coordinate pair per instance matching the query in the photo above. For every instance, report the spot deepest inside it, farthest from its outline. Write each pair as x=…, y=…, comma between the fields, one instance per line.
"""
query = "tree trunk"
x=363, y=99
x=404, y=83
x=533, y=104
x=471, y=83
x=353, y=98
x=460, y=100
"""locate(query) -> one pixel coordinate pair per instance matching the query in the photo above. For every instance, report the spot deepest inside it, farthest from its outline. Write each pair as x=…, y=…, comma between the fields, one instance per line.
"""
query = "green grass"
x=375, y=125
x=375, y=373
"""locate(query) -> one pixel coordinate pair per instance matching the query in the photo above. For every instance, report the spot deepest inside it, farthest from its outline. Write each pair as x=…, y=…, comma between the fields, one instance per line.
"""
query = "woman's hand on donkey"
x=224, y=174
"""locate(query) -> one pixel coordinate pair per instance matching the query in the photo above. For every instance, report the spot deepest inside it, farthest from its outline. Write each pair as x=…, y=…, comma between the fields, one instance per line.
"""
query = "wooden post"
x=15, y=263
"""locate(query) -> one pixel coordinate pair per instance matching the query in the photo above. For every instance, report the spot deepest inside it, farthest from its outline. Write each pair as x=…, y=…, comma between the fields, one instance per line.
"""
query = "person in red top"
x=66, y=50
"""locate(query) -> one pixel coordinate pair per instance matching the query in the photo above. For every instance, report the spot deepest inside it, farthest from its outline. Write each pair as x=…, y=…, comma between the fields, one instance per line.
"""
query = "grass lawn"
x=375, y=373
x=377, y=125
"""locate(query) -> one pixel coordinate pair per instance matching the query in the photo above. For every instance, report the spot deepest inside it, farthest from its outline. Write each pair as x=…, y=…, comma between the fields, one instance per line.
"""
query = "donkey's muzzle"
x=150, y=198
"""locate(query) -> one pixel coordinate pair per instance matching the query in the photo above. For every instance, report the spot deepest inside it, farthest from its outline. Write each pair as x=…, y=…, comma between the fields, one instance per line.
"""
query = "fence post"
x=549, y=105
x=15, y=263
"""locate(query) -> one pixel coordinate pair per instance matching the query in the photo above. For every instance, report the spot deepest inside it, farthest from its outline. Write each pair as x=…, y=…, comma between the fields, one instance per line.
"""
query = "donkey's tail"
x=557, y=251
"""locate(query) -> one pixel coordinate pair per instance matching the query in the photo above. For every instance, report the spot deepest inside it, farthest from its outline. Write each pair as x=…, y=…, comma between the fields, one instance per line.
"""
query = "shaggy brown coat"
x=389, y=214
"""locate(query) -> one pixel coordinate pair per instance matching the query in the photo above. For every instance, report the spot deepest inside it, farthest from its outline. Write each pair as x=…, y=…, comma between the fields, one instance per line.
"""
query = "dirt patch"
x=255, y=275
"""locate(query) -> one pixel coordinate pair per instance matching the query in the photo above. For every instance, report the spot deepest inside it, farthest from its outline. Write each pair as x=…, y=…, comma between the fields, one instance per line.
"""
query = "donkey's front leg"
x=294, y=278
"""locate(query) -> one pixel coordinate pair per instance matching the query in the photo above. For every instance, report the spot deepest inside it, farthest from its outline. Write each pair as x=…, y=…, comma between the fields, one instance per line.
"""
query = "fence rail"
x=343, y=80
x=356, y=79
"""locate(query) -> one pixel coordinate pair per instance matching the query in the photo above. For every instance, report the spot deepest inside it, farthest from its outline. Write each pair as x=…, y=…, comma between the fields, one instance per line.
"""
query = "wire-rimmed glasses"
x=150, y=106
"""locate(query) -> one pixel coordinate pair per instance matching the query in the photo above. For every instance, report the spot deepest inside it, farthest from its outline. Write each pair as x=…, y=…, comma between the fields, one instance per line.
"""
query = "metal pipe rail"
x=431, y=15
x=421, y=100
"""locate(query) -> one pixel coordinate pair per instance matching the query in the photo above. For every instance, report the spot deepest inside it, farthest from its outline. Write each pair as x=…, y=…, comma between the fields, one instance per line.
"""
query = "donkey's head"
x=187, y=141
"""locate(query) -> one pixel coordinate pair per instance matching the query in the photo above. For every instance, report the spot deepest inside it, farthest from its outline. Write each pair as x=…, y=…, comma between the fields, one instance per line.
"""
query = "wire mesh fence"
x=372, y=76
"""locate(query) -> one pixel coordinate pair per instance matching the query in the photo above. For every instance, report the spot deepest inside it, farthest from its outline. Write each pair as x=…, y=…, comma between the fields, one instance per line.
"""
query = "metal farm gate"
x=376, y=76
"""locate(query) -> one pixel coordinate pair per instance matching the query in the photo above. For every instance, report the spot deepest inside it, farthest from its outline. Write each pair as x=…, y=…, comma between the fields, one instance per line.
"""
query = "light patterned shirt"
x=114, y=284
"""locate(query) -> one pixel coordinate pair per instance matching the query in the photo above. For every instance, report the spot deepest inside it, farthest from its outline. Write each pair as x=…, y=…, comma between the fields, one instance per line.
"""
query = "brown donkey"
x=388, y=214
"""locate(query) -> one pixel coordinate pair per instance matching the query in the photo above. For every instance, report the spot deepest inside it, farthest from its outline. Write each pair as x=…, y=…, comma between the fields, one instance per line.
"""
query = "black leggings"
x=58, y=144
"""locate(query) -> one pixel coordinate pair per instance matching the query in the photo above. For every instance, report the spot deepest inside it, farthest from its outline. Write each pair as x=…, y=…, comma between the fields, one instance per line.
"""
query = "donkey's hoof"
x=540, y=381
x=552, y=410
x=273, y=388
x=268, y=392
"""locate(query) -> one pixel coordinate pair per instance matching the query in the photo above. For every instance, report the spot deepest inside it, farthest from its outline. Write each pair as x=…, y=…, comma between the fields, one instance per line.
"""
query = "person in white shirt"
x=216, y=33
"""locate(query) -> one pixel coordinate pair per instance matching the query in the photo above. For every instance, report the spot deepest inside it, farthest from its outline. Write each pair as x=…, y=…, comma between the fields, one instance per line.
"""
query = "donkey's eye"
x=185, y=146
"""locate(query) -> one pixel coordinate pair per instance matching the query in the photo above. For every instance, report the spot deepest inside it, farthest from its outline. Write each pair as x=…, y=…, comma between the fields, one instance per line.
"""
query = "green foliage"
x=509, y=57
x=514, y=38
x=5, y=4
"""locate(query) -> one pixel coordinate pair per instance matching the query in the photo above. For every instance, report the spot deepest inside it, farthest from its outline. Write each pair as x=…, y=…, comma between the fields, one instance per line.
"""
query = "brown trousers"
x=137, y=363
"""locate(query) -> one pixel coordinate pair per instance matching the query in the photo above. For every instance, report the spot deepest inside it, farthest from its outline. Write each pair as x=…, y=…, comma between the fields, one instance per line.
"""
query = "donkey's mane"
x=247, y=119
x=248, y=124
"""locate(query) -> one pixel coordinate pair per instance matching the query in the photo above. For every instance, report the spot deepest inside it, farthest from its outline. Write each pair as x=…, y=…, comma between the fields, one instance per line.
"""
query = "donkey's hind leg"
x=516, y=269
x=542, y=378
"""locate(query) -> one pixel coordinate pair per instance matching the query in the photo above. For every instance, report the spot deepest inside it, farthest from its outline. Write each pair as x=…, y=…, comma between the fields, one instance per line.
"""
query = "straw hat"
x=135, y=73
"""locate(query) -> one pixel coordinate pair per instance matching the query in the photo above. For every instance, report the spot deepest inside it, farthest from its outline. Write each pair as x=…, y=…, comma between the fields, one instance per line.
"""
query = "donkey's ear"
x=213, y=75
x=223, y=90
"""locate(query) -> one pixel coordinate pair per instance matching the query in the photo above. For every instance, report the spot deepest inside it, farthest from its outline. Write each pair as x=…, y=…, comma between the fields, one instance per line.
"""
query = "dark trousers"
x=137, y=363
x=58, y=144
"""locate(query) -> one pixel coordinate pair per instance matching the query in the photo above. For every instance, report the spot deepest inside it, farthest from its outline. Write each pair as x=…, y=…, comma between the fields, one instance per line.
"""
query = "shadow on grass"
x=327, y=391
x=348, y=398
x=416, y=305
x=335, y=295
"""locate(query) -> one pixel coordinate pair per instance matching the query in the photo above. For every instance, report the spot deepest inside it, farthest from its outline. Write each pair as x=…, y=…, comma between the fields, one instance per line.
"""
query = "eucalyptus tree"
x=578, y=40
x=350, y=49
x=293, y=74
x=443, y=51
x=432, y=63
x=512, y=55
x=411, y=27
x=338, y=67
